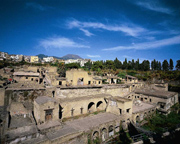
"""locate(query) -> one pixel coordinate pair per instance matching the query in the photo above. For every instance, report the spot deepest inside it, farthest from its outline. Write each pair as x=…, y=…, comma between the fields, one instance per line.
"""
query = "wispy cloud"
x=93, y=56
x=86, y=32
x=155, y=6
x=148, y=45
x=60, y=42
x=126, y=56
x=37, y=6
x=128, y=29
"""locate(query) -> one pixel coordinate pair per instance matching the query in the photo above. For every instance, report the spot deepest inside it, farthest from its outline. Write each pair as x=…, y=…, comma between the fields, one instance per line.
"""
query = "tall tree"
x=165, y=65
x=159, y=66
x=109, y=64
x=133, y=64
x=88, y=65
x=125, y=64
x=171, y=66
x=137, y=65
x=129, y=66
x=117, y=63
x=152, y=65
x=178, y=64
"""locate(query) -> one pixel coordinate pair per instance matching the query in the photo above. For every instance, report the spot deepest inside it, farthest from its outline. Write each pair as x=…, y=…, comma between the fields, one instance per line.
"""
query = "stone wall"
x=25, y=79
x=39, y=111
x=74, y=107
x=2, y=93
x=79, y=92
x=22, y=95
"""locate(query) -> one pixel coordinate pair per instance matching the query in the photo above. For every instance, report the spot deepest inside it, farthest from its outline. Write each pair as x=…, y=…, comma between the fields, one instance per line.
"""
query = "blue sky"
x=95, y=29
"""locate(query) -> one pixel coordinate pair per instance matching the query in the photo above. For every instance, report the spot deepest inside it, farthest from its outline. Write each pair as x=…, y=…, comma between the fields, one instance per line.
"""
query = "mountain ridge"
x=66, y=57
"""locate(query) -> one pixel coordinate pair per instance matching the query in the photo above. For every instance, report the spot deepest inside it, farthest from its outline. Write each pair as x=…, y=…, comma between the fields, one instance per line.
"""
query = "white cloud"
x=94, y=56
x=60, y=42
x=148, y=45
x=129, y=29
x=86, y=32
x=154, y=6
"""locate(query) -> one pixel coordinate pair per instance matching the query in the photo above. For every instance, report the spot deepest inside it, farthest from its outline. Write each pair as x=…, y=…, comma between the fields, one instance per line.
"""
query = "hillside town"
x=37, y=105
x=36, y=59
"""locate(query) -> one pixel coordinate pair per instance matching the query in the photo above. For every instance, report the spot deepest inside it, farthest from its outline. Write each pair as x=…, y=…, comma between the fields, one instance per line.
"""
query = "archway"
x=104, y=134
x=60, y=111
x=91, y=107
x=53, y=92
x=145, y=115
x=95, y=137
x=99, y=105
x=137, y=119
x=111, y=130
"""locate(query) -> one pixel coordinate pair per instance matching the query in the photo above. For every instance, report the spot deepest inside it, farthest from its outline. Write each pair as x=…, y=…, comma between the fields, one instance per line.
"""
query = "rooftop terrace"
x=142, y=107
x=156, y=93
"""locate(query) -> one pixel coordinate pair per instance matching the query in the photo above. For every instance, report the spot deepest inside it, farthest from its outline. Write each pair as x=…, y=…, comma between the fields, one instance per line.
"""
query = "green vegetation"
x=96, y=140
x=159, y=122
x=121, y=69
x=11, y=64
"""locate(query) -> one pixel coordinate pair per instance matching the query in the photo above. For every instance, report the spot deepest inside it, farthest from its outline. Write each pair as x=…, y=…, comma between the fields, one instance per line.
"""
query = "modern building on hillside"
x=48, y=59
x=80, y=61
x=34, y=59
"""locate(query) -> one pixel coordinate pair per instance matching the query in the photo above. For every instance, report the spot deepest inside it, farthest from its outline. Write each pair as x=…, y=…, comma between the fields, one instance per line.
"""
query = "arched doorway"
x=60, y=111
x=91, y=107
x=145, y=115
x=95, y=137
x=99, y=105
x=104, y=134
x=111, y=130
x=137, y=119
x=53, y=92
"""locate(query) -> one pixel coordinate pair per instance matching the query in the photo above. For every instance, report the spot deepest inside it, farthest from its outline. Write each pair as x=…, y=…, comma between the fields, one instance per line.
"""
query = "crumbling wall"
x=2, y=93
x=78, y=92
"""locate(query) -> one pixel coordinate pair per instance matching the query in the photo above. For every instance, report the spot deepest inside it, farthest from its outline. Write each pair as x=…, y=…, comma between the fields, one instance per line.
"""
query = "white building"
x=16, y=57
x=48, y=59
x=3, y=55
x=80, y=61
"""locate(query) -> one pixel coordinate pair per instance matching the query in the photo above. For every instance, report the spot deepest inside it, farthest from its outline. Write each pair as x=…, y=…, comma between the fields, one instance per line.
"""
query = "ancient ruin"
x=41, y=107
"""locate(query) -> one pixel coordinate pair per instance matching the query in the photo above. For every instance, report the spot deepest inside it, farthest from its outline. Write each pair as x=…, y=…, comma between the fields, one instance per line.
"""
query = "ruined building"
x=46, y=109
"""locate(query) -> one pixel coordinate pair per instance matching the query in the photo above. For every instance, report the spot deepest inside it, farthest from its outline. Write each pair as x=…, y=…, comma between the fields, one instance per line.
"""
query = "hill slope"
x=71, y=56
x=68, y=56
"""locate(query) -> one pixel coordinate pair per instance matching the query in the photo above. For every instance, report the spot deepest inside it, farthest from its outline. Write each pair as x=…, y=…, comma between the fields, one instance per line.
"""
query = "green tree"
x=178, y=64
x=165, y=65
x=137, y=65
x=88, y=65
x=171, y=66
x=109, y=64
x=146, y=65
x=152, y=65
x=72, y=65
x=159, y=65
x=133, y=64
x=125, y=64
x=129, y=65
x=117, y=64
x=96, y=65
x=122, y=74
